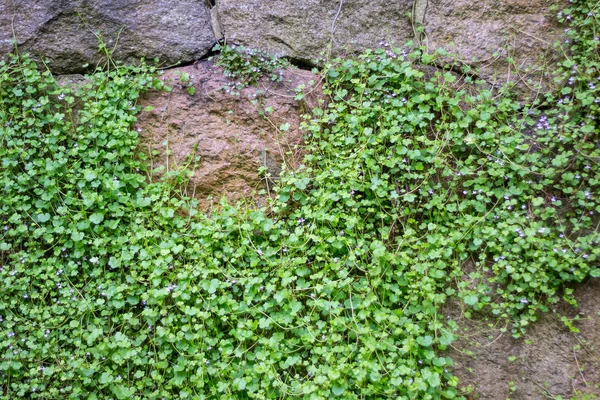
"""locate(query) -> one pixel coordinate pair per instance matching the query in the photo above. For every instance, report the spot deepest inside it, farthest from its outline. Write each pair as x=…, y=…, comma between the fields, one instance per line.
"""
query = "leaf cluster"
x=416, y=190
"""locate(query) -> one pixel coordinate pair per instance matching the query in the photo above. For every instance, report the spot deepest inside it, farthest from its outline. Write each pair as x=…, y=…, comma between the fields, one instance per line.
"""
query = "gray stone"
x=303, y=29
x=485, y=33
x=64, y=31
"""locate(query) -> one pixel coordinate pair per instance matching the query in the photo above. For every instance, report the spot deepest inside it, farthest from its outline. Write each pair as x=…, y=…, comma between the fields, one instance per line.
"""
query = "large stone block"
x=64, y=32
x=487, y=33
x=475, y=31
x=303, y=29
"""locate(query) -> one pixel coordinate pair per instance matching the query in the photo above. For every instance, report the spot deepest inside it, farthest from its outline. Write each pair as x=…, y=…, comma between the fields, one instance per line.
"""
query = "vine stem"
x=335, y=21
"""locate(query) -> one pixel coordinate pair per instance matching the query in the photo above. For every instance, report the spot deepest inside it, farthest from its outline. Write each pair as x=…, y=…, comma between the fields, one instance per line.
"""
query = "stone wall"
x=65, y=32
x=180, y=31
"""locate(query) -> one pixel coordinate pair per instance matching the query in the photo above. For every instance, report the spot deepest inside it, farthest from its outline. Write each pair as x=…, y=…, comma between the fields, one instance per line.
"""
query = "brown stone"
x=226, y=132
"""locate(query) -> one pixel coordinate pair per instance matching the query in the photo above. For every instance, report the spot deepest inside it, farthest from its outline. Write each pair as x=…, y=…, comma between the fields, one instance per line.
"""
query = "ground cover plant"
x=414, y=191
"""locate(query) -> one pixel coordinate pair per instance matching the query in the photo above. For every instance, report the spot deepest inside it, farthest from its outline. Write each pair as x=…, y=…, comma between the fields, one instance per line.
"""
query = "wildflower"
x=171, y=287
x=524, y=301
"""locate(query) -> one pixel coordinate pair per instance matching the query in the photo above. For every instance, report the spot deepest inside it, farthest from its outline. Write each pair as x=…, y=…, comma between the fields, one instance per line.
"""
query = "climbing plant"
x=414, y=191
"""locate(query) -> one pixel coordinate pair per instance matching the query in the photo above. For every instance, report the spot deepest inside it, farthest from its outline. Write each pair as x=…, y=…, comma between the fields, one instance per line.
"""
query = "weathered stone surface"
x=64, y=31
x=520, y=29
x=303, y=29
x=226, y=131
x=550, y=362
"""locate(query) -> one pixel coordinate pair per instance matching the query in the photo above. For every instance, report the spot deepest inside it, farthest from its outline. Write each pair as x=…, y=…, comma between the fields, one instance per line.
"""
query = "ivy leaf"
x=425, y=341
x=96, y=218
x=471, y=299
x=338, y=389
x=77, y=236
x=143, y=201
x=43, y=217
x=538, y=201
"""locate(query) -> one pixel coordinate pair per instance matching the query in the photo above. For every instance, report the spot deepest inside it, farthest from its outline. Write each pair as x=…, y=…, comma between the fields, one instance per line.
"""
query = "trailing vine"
x=414, y=191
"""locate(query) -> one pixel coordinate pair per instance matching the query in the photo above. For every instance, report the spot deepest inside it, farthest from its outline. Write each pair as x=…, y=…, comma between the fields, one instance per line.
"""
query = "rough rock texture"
x=181, y=30
x=64, y=31
x=226, y=131
x=549, y=362
x=302, y=30
x=517, y=28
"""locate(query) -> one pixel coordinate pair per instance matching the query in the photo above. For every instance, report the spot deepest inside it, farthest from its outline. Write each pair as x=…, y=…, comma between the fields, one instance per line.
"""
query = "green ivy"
x=414, y=191
x=246, y=66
